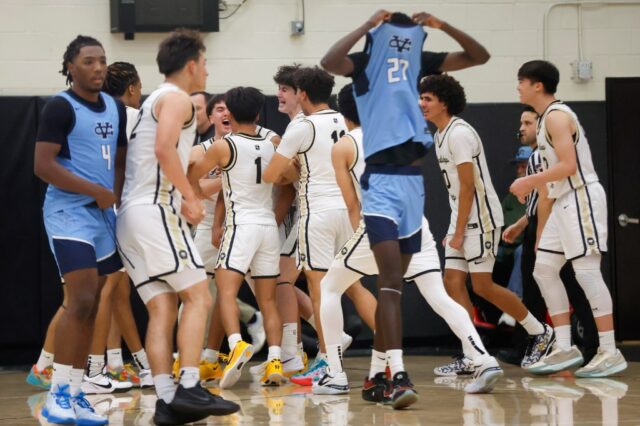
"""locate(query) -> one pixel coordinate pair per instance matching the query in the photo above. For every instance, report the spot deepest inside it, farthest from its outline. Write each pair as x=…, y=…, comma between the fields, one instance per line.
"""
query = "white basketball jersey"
x=247, y=199
x=486, y=211
x=132, y=118
x=586, y=172
x=356, y=168
x=145, y=183
x=319, y=190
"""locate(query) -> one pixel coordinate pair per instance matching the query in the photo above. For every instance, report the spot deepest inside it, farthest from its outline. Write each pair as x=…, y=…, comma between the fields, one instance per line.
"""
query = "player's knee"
x=596, y=291
x=392, y=280
x=83, y=307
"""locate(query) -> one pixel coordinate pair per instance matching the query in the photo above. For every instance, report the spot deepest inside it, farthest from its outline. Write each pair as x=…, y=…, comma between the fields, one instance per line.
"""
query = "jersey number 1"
x=393, y=74
x=258, y=163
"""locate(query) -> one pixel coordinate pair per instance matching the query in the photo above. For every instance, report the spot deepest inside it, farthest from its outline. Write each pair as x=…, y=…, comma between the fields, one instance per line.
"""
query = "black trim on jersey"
x=318, y=269
x=295, y=247
x=446, y=130
x=584, y=241
x=551, y=251
x=166, y=229
x=259, y=277
x=455, y=257
x=256, y=137
x=593, y=220
x=155, y=196
x=190, y=121
x=544, y=114
x=346, y=258
x=428, y=271
x=313, y=140
x=233, y=157
x=355, y=160
x=306, y=199
x=486, y=196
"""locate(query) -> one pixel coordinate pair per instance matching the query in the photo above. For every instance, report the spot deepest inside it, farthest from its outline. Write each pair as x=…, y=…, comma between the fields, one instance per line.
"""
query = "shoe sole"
x=488, y=382
x=566, y=365
x=233, y=374
x=57, y=420
x=609, y=372
x=274, y=379
x=406, y=399
x=470, y=373
x=546, y=352
x=326, y=390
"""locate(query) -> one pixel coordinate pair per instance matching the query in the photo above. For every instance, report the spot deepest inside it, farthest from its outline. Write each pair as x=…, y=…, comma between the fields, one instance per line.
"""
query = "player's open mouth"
x=225, y=122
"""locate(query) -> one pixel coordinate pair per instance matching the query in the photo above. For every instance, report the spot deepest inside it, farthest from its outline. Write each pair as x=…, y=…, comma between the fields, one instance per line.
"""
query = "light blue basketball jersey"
x=92, y=146
x=386, y=91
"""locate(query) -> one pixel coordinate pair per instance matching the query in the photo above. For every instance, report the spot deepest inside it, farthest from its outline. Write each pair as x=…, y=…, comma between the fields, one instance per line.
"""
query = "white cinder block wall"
x=255, y=41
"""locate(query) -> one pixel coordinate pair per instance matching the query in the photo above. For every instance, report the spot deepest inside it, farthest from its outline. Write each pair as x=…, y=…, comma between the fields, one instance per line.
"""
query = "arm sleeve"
x=462, y=144
x=431, y=62
x=56, y=121
x=122, y=123
x=296, y=139
x=360, y=61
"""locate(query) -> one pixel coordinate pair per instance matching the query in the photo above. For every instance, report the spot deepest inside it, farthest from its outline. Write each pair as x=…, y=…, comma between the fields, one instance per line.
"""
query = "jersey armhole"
x=313, y=138
x=233, y=154
x=355, y=149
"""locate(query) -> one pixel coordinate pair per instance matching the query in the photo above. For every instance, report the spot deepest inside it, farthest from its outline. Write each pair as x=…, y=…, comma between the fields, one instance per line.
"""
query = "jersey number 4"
x=397, y=70
x=106, y=155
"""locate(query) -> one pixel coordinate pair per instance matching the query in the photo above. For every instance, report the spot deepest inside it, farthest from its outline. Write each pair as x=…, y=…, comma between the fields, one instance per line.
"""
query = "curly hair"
x=120, y=75
x=180, y=47
x=73, y=50
x=284, y=75
x=447, y=89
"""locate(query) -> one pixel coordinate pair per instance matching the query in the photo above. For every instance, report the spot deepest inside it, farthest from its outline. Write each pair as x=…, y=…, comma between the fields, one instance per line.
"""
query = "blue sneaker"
x=314, y=373
x=85, y=414
x=58, y=409
x=41, y=379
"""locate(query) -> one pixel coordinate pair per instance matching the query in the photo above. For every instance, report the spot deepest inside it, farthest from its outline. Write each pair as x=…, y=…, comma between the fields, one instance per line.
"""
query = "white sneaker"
x=58, y=408
x=85, y=414
x=507, y=320
x=604, y=388
x=460, y=366
x=603, y=364
x=146, y=379
x=557, y=360
x=485, y=377
x=101, y=383
x=331, y=384
x=257, y=333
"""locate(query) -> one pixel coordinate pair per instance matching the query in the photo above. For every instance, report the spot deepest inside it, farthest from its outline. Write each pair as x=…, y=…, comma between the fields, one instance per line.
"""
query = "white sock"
x=95, y=365
x=165, y=389
x=274, y=353
x=189, y=376
x=114, y=358
x=563, y=337
x=141, y=360
x=334, y=354
x=607, y=341
x=394, y=359
x=210, y=355
x=312, y=322
x=289, y=338
x=233, y=339
x=75, y=381
x=532, y=325
x=321, y=355
x=45, y=360
x=378, y=363
x=61, y=375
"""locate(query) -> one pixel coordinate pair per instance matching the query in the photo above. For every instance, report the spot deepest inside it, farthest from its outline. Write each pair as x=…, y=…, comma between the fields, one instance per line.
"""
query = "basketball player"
x=81, y=147
x=573, y=228
x=356, y=260
x=204, y=127
x=250, y=240
x=476, y=215
x=155, y=242
x=324, y=223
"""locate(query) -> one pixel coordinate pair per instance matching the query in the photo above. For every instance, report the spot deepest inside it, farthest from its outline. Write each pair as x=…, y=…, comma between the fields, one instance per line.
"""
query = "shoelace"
x=82, y=402
x=62, y=399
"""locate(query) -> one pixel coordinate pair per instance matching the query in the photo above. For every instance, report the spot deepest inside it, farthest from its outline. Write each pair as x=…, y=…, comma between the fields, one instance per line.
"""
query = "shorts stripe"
x=166, y=229
x=352, y=245
x=428, y=271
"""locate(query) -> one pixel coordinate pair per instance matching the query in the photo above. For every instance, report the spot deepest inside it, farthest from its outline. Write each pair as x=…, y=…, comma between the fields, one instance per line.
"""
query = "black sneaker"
x=377, y=389
x=165, y=415
x=539, y=346
x=402, y=392
x=199, y=400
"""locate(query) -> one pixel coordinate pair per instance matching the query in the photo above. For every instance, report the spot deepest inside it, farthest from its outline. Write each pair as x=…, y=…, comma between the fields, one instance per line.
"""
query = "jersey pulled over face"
x=586, y=172
x=145, y=182
x=456, y=144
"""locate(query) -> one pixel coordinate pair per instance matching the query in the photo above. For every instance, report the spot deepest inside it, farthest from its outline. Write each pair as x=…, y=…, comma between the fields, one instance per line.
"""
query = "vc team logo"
x=399, y=44
x=103, y=129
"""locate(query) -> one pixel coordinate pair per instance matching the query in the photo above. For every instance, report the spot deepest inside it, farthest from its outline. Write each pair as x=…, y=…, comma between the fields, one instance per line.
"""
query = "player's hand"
x=193, y=210
x=521, y=187
x=379, y=16
x=104, y=197
x=216, y=236
x=427, y=19
x=511, y=233
x=456, y=241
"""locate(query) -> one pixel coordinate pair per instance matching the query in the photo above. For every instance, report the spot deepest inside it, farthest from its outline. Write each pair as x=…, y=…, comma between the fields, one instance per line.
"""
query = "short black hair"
x=284, y=75
x=347, y=104
x=447, y=89
x=316, y=82
x=540, y=71
x=529, y=108
x=180, y=47
x=215, y=99
x=73, y=50
x=401, y=18
x=244, y=103
x=120, y=75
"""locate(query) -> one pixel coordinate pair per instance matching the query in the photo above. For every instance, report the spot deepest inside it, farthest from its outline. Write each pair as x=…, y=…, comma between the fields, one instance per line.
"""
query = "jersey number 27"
x=397, y=70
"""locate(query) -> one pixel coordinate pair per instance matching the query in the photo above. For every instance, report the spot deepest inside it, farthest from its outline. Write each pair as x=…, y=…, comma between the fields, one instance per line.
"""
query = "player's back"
x=486, y=210
x=585, y=173
x=90, y=150
x=248, y=200
x=319, y=190
x=386, y=90
x=145, y=182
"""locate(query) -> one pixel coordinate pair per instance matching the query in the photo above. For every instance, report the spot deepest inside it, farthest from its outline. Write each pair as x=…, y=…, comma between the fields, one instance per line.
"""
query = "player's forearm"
x=332, y=60
x=522, y=222
x=172, y=168
x=475, y=52
x=54, y=174
x=465, y=201
x=554, y=173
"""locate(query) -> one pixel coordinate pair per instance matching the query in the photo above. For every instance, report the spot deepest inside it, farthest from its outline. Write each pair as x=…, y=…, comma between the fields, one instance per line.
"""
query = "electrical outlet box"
x=297, y=28
x=582, y=70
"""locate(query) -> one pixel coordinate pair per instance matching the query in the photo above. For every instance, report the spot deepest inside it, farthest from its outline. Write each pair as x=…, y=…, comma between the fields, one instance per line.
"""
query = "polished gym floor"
x=518, y=399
